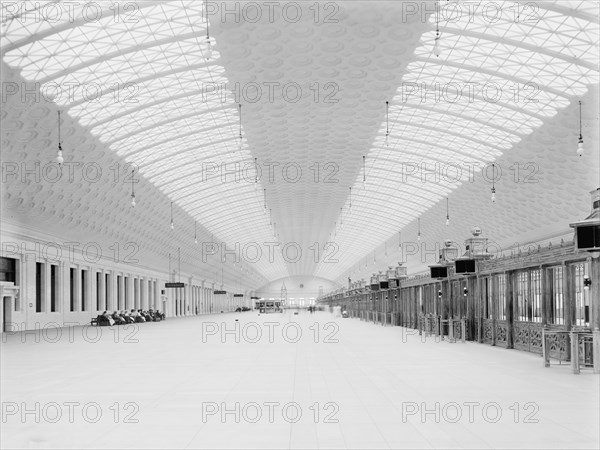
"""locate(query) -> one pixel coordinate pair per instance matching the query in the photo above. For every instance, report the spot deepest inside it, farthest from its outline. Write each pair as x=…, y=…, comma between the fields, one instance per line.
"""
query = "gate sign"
x=174, y=285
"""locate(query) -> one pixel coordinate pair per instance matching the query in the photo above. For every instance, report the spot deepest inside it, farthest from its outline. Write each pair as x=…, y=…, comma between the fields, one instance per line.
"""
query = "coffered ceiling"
x=143, y=87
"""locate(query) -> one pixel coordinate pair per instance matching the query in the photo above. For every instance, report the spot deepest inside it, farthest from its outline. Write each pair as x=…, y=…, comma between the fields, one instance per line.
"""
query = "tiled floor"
x=321, y=382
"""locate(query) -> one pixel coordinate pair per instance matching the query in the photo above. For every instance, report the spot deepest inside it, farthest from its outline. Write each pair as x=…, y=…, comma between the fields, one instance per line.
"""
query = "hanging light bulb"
x=59, y=156
x=364, y=173
x=208, y=50
x=493, y=183
x=195, y=232
x=437, y=49
x=350, y=207
x=447, y=212
x=172, y=224
x=132, y=191
x=256, y=176
x=240, y=141
x=580, y=143
x=419, y=229
x=387, y=124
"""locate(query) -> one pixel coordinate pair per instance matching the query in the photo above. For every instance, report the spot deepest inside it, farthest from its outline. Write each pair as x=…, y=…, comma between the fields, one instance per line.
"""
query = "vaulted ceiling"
x=344, y=178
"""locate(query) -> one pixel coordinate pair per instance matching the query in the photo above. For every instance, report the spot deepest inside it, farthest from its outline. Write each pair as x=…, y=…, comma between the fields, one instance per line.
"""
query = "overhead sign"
x=219, y=292
x=174, y=285
x=238, y=295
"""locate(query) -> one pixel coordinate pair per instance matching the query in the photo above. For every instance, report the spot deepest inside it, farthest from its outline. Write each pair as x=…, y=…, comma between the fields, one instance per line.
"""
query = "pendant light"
x=580, y=143
x=208, y=51
x=240, y=141
x=59, y=156
x=493, y=183
x=350, y=207
x=447, y=212
x=437, y=49
x=172, y=224
x=195, y=231
x=419, y=229
x=387, y=124
x=364, y=172
x=256, y=176
x=132, y=190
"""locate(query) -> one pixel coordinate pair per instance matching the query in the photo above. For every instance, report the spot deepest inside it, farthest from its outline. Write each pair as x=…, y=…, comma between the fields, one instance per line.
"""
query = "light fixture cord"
x=580, y=135
x=240, y=105
x=59, y=146
x=132, y=188
x=350, y=197
x=364, y=170
x=206, y=11
x=437, y=19
x=387, y=118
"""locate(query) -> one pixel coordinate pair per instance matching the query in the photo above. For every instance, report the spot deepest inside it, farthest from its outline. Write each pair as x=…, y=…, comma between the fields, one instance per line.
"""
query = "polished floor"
x=291, y=381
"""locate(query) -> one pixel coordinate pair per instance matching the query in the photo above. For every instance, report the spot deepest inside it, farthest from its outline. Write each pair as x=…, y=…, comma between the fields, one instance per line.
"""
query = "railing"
x=584, y=347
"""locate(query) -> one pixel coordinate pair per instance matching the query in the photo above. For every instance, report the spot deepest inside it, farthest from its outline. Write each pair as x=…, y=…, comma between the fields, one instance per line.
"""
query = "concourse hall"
x=352, y=224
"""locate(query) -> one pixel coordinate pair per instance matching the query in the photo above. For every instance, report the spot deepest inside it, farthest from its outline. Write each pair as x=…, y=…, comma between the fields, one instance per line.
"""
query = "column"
x=112, y=291
x=155, y=296
x=27, y=293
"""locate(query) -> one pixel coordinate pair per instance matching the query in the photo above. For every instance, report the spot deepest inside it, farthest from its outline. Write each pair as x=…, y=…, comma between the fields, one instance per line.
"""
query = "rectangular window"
x=119, y=291
x=8, y=270
x=582, y=296
x=522, y=296
x=487, y=298
x=72, y=289
x=98, y=291
x=39, y=279
x=536, y=296
x=84, y=284
x=53, y=286
x=126, y=282
x=107, y=288
x=558, y=307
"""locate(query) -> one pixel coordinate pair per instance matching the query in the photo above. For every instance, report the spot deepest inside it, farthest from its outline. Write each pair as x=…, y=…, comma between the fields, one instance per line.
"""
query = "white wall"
x=195, y=298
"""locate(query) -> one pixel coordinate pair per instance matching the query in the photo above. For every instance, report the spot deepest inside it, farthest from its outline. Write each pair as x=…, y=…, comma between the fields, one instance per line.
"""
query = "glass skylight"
x=140, y=82
x=494, y=83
